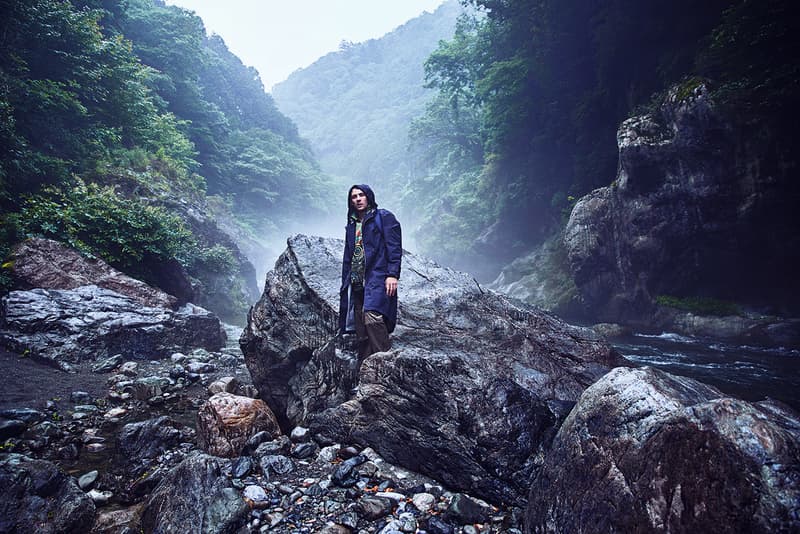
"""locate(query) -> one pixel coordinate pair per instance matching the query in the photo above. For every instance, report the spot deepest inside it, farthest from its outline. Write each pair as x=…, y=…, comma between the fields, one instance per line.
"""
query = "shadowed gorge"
x=597, y=318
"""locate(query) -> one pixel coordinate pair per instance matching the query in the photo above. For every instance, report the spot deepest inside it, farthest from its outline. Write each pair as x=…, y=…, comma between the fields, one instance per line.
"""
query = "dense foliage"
x=531, y=93
x=118, y=119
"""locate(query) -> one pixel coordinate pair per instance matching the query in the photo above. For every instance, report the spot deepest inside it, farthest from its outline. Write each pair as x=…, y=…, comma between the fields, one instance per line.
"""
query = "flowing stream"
x=750, y=373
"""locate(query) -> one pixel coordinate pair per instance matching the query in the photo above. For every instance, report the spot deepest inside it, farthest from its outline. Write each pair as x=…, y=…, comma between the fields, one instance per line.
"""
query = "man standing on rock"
x=370, y=269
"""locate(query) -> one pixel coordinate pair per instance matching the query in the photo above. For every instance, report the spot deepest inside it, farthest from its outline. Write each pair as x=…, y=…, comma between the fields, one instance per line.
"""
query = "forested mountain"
x=531, y=98
x=123, y=126
x=355, y=105
x=528, y=99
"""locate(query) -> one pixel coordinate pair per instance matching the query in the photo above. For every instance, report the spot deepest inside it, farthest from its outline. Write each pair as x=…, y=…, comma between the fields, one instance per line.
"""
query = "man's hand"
x=391, y=286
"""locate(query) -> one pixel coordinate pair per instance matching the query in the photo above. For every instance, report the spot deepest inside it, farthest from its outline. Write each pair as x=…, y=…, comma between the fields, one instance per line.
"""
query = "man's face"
x=359, y=200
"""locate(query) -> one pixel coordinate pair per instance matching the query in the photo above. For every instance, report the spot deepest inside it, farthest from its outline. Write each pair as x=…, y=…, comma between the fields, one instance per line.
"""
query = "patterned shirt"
x=358, y=264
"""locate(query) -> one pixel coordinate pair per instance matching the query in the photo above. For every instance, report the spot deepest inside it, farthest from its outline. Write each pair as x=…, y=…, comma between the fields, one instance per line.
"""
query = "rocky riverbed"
x=158, y=428
x=121, y=435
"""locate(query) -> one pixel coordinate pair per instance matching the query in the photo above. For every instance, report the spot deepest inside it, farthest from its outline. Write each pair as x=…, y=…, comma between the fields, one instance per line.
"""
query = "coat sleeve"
x=393, y=237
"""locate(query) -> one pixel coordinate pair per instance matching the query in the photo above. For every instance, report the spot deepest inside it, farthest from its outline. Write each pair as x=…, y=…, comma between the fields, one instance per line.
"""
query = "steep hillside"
x=355, y=105
x=127, y=133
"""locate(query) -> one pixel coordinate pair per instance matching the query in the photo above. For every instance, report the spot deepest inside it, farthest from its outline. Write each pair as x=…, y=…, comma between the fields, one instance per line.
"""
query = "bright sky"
x=278, y=37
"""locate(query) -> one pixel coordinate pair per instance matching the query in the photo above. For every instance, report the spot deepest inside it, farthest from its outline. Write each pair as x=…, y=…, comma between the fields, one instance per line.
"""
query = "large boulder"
x=36, y=496
x=474, y=386
x=687, y=215
x=646, y=451
x=226, y=422
x=196, y=498
x=48, y=264
x=86, y=323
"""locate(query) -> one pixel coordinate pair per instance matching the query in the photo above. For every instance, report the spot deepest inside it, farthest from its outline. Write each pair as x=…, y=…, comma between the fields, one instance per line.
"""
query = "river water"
x=747, y=372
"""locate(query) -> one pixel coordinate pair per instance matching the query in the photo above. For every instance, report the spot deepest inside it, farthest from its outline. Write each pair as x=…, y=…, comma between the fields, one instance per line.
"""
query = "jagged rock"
x=195, y=497
x=542, y=278
x=646, y=451
x=687, y=214
x=35, y=495
x=465, y=394
x=89, y=322
x=226, y=423
x=148, y=439
x=48, y=264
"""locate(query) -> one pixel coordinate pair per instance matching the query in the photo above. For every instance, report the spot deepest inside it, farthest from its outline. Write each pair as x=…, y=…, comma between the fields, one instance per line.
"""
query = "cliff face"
x=701, y=207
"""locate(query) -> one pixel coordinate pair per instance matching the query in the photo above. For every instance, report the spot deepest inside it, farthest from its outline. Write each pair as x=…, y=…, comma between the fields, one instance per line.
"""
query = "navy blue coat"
x=383, y=253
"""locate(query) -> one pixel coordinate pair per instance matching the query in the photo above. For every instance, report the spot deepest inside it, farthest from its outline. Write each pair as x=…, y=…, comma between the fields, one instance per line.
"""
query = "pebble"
x=115, y=412
x=96, y=447
x=327, y=454
x=100, y=497
x=129, y=369
x=241, y=467
x=423, y=501
x=276, y=463
x=256, y=496
x=226, y=384
x=391, y=495
x=304, y=450
x=372, y=507
x=87, y=480
x=299, y=434
x=80, y=397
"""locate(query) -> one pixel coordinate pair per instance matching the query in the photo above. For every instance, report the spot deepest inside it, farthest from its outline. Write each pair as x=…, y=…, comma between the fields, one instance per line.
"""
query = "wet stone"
x=347, y=452
x=423, y=501
x=300, y=434
x=276, y=463
x=465, y=510
x=100, y=497
x=12, y=428
x=241, y=467
x=280, y=445
x=27, y=415
x=47, y=429
x=348, y=519
x=96, y=447
x=80, y=397
x=129, y=368
x=87, y=480
x=344, y=474
x=304, y=450
x=200, y=367
x=107, y=365
x=256, y=496
x=372, y=507
x=333, y=528
x=177, y=372
x=327, y=454
x=436, y=525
